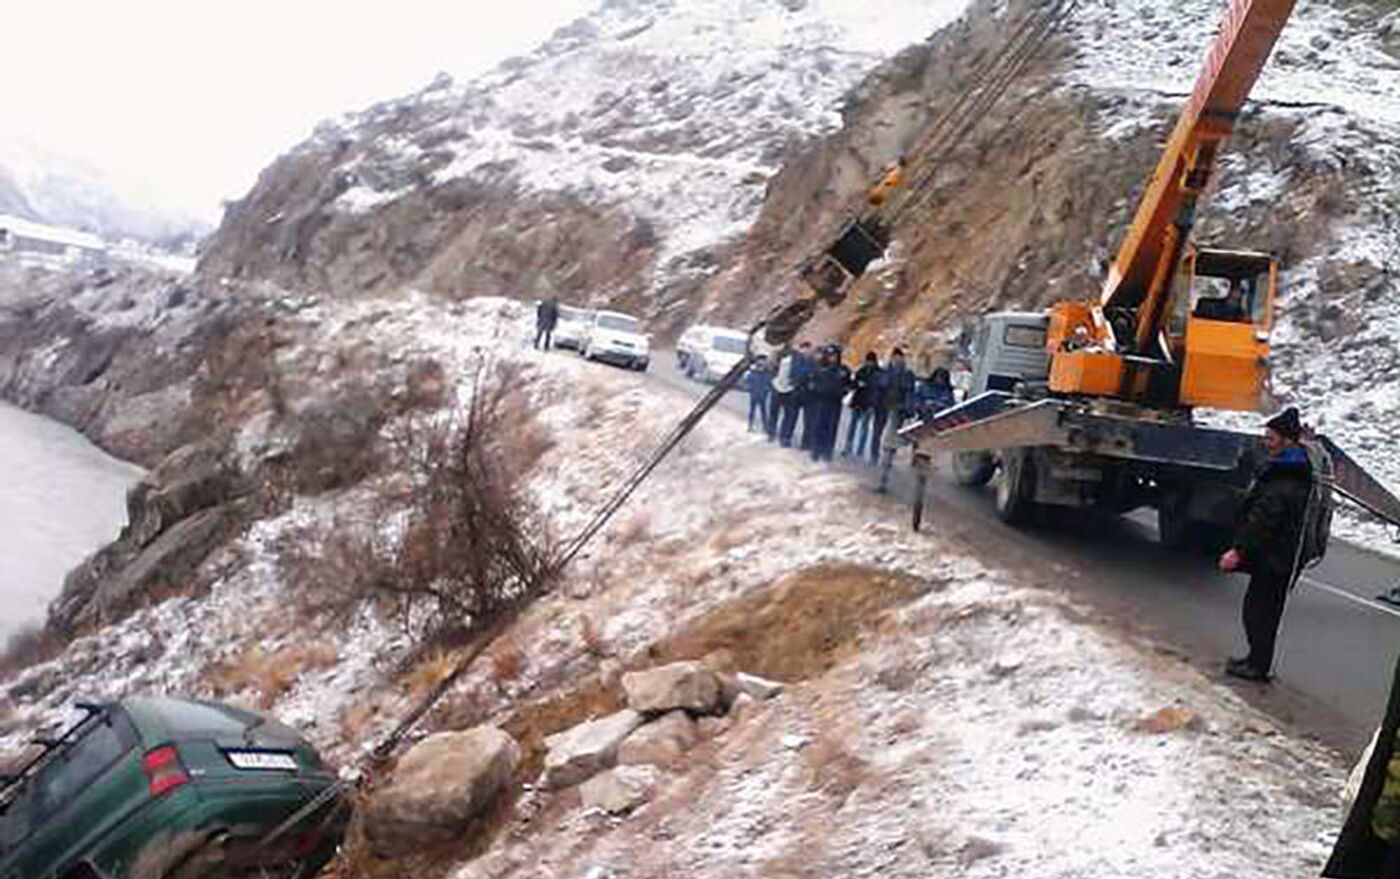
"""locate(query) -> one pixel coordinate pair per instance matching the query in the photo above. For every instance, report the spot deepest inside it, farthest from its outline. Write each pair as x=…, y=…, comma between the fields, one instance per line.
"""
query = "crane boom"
x=1141, y=275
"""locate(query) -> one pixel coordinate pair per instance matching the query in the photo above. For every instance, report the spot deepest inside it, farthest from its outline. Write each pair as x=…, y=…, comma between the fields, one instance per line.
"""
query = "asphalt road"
x=1337, y=648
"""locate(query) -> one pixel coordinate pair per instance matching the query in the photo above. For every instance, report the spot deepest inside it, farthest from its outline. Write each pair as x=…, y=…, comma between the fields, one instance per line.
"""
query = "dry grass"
x=507, y=661
x=269, y=675
x=355, y=721
x=429, y=673
x=798, y=628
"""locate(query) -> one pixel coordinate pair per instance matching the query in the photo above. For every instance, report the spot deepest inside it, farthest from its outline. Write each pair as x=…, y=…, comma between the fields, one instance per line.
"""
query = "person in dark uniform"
x=1268, y=541
x=546, y=319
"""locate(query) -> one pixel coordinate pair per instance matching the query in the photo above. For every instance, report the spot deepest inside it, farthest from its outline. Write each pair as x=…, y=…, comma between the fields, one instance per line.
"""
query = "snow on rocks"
x=583, y=751
x=438, y=787
x=661, y=742
x=620, y=789
x=681, y=685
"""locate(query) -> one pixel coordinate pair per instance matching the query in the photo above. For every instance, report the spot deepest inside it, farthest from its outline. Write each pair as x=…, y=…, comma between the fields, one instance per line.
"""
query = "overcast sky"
x=187, y=100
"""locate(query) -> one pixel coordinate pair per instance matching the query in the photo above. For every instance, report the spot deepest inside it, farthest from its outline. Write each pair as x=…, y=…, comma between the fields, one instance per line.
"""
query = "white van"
x=707, y=353
x=617, y=338
x=571, y=331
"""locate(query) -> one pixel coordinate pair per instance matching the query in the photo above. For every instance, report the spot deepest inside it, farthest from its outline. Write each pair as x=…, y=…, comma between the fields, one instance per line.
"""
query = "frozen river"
x=63, y=499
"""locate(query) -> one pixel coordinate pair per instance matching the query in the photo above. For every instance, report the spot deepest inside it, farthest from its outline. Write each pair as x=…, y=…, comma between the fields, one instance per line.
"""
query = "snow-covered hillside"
x=671, y=113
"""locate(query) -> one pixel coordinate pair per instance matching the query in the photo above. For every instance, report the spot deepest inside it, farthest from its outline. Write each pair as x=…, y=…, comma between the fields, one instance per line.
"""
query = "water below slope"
x=61, y=499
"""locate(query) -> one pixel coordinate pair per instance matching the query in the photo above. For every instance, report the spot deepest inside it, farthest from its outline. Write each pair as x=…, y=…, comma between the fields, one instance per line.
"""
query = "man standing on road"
x=863, y=406
x=546, y=318
x=1268, y=541
x=899, y=405
x=803, y=365
x=782, y=412
x=759, y=383
x=829, y=382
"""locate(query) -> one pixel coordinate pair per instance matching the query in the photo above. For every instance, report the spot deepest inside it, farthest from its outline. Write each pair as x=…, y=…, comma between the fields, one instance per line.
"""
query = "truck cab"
x=1007, y=350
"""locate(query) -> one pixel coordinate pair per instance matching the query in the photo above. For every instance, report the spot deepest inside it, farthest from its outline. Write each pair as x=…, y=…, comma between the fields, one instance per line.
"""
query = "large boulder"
x=686, y=685
x=660, y=743
x=585, y=750
x=620, y=789
x=438, y=788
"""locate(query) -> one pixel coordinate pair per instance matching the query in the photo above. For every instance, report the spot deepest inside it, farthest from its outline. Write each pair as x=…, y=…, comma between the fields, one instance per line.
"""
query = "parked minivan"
x=170, y=789
x=707, y=353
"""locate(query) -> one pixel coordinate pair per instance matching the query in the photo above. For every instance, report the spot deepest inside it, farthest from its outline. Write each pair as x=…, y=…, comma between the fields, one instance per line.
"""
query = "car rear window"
x=619, y=322
x=196, y=717
x=80, y=764
x=731, y=344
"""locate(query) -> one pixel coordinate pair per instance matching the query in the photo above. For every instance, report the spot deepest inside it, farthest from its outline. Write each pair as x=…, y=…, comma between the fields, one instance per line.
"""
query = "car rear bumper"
x=622, y=358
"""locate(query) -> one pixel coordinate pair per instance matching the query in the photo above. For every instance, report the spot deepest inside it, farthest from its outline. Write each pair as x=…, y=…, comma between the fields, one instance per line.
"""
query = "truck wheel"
x=973, y=469
x=1174, y=528
x=1015, y=500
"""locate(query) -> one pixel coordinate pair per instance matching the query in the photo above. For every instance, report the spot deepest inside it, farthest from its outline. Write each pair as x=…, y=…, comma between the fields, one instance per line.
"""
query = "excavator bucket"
x=831, y=273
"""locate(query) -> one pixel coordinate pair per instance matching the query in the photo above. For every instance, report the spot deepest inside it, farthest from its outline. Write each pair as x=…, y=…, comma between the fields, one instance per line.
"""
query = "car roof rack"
x=50, y=745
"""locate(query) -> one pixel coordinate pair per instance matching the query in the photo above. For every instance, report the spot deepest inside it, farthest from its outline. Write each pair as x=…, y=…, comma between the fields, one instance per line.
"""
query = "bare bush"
x=471, y=547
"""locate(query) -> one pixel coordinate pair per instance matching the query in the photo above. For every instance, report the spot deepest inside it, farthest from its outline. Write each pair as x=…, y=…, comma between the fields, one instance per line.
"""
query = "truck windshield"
x=1024, y=337
x=730, y=344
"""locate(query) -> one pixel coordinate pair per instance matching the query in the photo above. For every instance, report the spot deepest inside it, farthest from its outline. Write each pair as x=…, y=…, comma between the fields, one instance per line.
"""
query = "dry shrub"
x=471, y=550
x=429, y=673
x=269, y=675
x=28, y=647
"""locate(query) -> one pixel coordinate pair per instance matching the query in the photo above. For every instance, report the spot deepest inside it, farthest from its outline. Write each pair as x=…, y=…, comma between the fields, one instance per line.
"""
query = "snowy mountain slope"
x=47, y=187
x=670, y=112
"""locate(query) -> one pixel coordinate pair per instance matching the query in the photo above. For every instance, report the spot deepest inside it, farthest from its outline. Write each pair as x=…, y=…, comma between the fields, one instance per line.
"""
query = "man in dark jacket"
x=803, y=365
x=828, y=384
x=546, y=319
x=863, y=404
x=894, y=400
x=1268, y=541
x=759, y=383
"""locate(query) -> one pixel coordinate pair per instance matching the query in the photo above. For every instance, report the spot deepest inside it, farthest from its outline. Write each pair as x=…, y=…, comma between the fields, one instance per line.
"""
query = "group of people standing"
x=797, y=398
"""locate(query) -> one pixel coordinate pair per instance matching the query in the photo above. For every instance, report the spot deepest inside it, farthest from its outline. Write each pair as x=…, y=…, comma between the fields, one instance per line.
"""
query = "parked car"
x=708, y=353
x=170, y=789
x=618, y=338
x=571, y=331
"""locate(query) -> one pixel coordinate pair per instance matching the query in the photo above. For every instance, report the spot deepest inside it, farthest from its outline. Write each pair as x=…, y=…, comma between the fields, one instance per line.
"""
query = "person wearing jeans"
x=863, y=406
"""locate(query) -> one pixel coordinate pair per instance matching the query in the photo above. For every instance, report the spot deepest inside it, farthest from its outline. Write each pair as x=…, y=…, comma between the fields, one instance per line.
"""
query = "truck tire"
x=973, y=469
x=1175, y=530
x=1015, y=498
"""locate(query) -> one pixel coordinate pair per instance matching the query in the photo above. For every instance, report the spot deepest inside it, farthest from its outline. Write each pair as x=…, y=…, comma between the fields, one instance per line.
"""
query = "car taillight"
x=164, y=770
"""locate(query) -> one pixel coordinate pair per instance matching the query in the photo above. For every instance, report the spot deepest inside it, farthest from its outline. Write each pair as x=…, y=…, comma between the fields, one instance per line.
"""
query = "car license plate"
x=262, y=760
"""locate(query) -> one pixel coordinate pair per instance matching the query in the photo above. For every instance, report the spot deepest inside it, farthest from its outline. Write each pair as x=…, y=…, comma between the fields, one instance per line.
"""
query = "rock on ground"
x=620, y=789
x=587, y=749
x=687, y=685
x=439, y=786
x=660, y=743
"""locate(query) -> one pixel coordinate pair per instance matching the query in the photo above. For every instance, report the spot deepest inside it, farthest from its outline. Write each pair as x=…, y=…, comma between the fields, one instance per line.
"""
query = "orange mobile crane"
x=1090, y=404
x=1140, y=340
